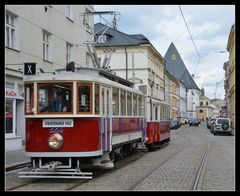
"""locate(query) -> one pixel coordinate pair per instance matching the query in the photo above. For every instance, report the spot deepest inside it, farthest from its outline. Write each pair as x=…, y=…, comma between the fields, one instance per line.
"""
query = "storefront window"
x=9, y=116
x=55, y=98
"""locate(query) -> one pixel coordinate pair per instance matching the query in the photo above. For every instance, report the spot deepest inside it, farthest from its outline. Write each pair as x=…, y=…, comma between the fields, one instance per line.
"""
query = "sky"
x=209, y=26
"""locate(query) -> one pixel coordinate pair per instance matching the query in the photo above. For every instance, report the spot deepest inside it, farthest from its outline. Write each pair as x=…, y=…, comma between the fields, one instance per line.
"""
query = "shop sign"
x=11, y=93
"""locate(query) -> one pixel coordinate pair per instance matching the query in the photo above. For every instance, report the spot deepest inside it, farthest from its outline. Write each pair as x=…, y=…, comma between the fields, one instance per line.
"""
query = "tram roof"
x=87, y=74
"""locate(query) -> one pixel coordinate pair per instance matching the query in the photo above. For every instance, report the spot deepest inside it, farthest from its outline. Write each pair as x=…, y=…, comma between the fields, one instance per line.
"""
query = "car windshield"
x=174, y=120
x=222, y=120
x=194, y=119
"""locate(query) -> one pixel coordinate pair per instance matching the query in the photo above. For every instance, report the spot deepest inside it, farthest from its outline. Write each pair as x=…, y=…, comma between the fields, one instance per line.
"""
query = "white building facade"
x=192, y=102
x=50, y=36
x=135, y=59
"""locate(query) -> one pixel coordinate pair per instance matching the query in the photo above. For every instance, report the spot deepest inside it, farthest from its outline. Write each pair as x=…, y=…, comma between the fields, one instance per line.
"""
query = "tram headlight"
x=55, y=141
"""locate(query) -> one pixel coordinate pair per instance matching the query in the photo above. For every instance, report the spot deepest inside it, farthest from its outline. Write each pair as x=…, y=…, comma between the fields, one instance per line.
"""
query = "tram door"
x=106, y=118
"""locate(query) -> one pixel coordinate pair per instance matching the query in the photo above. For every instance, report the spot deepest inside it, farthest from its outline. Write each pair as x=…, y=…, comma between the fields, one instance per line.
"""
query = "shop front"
x=14, y=119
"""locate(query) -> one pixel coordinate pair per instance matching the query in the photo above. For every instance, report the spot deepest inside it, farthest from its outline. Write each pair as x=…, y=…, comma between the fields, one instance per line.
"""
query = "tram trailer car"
x=84, y=117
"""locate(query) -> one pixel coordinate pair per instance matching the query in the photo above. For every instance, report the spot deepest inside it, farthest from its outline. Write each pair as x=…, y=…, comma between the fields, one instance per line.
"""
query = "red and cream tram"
x=86, y=116
x=74, y=117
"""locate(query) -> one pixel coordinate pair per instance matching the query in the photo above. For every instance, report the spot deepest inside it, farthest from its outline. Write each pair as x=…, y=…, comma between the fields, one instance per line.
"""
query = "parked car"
x=222, y=125
x=183, y=121
x=194, y=122
x=210, y=121
x=174, y=124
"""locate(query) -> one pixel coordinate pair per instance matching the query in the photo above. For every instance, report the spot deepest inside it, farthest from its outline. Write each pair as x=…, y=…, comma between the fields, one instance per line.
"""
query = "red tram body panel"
x=157, y=132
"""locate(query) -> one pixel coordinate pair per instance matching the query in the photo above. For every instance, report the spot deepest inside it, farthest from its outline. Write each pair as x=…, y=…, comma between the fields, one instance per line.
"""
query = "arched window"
x=200, y=111
x=206, y=103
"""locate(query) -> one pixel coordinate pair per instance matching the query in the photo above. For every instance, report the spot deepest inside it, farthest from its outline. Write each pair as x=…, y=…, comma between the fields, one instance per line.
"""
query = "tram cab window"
x=29, y=98
x=84, y=98
x=54, y=98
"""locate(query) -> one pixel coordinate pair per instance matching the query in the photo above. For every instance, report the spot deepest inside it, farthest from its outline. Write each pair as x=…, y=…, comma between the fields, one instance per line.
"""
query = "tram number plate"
x=57, y=123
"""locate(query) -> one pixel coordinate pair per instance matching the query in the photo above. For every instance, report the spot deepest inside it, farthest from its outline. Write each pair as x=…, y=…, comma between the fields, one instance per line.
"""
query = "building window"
x=10, y=36
x=206, y=103
x=86, y=20
x=69, y=53
x=46, y=46
x=87, y=59
x=200, y=111
x=68, y=12
x=101, y=39
x=201, y=103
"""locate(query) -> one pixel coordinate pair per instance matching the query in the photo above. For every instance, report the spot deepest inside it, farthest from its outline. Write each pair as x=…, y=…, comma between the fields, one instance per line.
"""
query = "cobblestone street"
x=173, y=167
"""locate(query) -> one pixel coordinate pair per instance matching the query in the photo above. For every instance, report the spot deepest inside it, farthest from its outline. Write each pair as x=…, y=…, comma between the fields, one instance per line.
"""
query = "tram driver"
x=58, y=105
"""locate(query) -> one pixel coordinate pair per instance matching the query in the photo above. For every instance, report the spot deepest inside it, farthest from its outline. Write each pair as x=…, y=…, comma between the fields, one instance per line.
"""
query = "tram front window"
x=55, y=98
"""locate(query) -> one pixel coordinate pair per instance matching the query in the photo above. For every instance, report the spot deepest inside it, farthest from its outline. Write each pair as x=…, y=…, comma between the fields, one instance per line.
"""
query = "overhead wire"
x=190, y=37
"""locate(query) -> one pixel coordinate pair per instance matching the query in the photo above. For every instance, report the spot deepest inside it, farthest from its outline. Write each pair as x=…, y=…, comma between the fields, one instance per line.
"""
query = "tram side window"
x=29, y=98
x=84, y=98
x=115, y=102
x=129, y=104
x=156, y=112
x=123, y=103
x=55, y=98
x=143, y=107
x=134, y=105
x=139, y=105
x=97, y=106
x=161, y=112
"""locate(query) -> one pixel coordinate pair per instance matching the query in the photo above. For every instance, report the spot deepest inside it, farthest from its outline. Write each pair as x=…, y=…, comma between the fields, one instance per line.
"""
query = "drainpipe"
x=126, y=62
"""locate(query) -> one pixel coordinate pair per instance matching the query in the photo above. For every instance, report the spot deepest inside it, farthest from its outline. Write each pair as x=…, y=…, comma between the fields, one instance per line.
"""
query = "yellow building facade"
x=229, y=68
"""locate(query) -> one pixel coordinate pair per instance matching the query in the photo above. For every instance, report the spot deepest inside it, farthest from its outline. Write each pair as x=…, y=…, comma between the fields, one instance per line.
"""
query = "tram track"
x=142, y=178
x=200, y=171
x=195, y=183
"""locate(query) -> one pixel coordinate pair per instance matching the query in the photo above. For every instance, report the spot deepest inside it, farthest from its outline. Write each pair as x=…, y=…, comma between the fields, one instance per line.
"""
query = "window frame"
x=46, y=45
x=69, y=52
x=58, y=83
x=91, y=101
x=11, y=30
x=118, y=91
x=31, y=86
x=97, y=84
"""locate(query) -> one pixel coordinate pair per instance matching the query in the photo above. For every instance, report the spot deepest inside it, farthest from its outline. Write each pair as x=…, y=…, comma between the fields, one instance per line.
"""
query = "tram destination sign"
x=57, y=123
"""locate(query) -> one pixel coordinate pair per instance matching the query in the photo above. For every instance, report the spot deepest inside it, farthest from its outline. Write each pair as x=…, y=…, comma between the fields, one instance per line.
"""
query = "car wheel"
x=225, y=126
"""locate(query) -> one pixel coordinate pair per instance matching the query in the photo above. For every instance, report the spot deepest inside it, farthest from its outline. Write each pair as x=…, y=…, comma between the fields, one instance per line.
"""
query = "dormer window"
x=101, y=39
